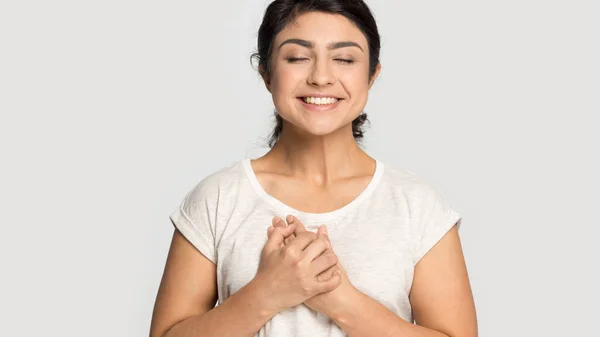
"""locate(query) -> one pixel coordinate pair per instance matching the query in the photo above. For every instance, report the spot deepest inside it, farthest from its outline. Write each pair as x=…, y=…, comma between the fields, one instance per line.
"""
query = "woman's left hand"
x=329, y=302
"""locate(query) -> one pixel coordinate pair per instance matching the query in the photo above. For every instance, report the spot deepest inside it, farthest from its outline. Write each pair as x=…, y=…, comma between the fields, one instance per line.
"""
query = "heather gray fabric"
x=378, y=237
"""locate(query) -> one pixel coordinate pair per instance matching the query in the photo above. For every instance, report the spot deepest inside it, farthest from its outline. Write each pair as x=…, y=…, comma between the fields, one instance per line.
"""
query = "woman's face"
x=320, y=73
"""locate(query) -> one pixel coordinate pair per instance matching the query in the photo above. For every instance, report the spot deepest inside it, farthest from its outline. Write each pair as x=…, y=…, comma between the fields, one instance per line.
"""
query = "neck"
x=320, y=160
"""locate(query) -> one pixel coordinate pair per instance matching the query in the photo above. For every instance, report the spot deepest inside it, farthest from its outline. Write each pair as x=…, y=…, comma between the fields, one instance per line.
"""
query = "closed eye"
x=300, y=59
x=295, y=59
x=345, y=61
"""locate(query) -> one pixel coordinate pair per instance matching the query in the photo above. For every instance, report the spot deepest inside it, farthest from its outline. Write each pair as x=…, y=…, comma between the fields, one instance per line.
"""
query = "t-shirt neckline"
x=279, y=205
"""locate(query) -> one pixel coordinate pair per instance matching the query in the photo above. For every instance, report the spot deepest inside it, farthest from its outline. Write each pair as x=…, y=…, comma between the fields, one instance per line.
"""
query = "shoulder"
x=430, y=212
x=408, y=183
x=216, y=184
x=416, y=193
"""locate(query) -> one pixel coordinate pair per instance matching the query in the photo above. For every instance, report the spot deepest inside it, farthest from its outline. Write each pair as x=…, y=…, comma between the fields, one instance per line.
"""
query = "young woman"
x=315, y=238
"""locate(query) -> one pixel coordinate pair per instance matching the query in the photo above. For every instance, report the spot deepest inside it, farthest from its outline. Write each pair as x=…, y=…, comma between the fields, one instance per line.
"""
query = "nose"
x=321, y=74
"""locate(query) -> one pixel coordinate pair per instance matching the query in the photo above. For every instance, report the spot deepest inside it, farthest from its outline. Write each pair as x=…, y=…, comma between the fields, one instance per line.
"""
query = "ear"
x=377, y=71
x=265, y=77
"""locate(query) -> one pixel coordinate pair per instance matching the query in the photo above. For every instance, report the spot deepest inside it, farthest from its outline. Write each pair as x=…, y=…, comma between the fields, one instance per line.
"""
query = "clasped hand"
x=298, y=266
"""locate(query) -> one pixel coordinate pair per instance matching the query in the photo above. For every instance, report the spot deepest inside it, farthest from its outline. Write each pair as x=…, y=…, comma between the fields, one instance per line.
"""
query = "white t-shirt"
x=378, y=237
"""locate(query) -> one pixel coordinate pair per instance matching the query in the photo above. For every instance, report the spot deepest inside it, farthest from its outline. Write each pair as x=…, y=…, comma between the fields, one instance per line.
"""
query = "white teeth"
x=320, y=100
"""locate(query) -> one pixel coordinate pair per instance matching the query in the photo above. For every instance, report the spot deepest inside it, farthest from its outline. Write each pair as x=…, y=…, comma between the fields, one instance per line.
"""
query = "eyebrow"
x=311, y=45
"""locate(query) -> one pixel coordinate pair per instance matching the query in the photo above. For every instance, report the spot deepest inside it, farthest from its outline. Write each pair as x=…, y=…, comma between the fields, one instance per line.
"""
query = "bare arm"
x=441, y=294
x=441, y=299
x=185, y=304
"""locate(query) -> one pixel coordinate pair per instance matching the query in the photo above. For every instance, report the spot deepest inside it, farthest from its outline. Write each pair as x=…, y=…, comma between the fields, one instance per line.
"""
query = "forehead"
x=322, y=28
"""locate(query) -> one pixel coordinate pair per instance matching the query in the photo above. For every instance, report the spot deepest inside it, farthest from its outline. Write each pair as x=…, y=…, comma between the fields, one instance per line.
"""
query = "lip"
x=318, y=94
x=321, y=107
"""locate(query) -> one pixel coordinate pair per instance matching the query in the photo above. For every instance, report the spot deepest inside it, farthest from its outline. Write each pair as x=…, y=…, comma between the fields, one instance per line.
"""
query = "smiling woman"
x=360, y=52
x=315, y=238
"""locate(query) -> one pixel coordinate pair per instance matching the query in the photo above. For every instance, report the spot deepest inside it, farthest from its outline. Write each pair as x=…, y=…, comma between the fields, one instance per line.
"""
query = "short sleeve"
x=194, y=219
x=437, y=219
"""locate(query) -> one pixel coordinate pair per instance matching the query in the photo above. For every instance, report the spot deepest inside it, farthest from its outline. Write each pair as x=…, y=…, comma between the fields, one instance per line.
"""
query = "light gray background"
x=113, y=110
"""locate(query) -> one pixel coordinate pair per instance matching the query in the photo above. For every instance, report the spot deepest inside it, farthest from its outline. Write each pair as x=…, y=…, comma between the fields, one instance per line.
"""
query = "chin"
x=313, y=125
x=322, y=129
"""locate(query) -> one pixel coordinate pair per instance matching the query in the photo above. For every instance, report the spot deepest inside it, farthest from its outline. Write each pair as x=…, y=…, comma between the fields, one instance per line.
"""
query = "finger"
x=323, y=263
x=315, y=249
x=270, y=230
x=302, y=240
x=276, y=220
x=328, y=273
x=278, y=235
x=329, y=284
x=279, y=222
x=322, y=231
x=293, y=220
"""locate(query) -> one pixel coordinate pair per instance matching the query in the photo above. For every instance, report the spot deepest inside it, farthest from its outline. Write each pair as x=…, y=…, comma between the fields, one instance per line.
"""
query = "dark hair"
x=280, y=13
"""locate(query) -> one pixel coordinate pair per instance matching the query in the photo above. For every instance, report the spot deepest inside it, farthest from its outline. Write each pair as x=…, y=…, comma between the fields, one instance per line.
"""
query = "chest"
x=299, y=195
x=375, y=252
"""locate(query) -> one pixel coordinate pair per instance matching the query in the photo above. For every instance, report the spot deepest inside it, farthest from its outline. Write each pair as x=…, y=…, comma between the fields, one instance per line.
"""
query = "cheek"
x=356, y=83
x=292, y=77
x=286, y=79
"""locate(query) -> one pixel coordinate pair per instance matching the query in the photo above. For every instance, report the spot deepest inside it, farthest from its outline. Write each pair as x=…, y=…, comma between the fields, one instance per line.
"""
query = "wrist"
x=342, y=310
x=263, y=298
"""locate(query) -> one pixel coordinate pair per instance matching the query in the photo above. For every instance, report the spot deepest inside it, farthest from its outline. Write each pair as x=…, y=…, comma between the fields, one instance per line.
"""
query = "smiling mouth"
x=320, y=100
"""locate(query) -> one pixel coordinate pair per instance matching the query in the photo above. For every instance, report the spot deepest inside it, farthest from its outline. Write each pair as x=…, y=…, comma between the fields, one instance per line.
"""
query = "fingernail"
x=289, y=218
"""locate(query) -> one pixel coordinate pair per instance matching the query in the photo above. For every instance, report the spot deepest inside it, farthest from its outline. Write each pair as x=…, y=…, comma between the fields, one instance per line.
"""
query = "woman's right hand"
x=288, y=273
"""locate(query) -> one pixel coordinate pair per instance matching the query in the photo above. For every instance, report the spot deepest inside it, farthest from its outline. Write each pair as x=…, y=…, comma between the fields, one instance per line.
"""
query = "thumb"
x=322, y=231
